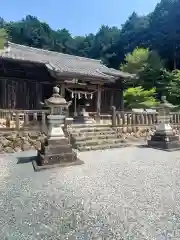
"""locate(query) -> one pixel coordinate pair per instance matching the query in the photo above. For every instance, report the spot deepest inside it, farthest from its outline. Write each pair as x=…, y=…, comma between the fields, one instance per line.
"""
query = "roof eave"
x=122, y=75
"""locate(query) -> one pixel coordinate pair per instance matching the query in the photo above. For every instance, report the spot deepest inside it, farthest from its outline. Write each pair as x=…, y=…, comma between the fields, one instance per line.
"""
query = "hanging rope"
x=79, y=93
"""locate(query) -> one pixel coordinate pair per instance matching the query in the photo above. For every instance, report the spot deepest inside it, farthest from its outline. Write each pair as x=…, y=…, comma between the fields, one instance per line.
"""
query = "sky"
x=80, y=17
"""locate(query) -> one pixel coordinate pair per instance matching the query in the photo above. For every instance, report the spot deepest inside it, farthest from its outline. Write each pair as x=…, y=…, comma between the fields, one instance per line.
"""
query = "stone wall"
x=130, y=133
x=17, y=141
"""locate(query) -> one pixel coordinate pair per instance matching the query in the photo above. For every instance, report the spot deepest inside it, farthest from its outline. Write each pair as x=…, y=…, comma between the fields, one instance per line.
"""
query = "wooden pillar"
x=3, y=93
x=62, y=89
x=38, y=94
x=112, y=99
x=121, y=96
x=98, y=102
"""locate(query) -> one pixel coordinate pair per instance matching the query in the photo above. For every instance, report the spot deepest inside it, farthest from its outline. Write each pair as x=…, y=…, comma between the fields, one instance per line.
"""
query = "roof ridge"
x=64, y=54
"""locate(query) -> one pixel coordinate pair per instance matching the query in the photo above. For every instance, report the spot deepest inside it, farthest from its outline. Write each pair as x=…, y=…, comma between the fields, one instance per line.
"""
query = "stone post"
x=113, y=116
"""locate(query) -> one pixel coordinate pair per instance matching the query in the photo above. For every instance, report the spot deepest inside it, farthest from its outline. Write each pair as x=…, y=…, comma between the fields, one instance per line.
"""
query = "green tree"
x=3, y=37
x=158, y=31
x=139, y=98
x=136, y=61
x=174, y=87
x=148, y=66
x=165, y=31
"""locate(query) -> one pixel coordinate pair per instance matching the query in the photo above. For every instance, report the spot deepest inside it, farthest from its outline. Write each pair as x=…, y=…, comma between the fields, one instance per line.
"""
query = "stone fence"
x=124, y=119
x=11, y=119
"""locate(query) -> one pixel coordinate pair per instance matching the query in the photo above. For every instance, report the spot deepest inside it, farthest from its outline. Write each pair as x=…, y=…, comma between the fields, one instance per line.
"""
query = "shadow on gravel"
x=23, y=160
x=142, y=146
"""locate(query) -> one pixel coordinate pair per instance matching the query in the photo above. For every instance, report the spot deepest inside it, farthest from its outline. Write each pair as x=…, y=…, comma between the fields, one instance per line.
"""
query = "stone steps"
x=95, y=142
x=102, y=147
x=91, y=130
x=88, y=137
x=95, y=138
x=93, y=134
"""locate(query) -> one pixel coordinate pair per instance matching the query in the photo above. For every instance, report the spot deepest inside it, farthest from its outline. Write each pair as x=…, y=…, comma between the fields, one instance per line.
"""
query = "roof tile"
x=62, y=62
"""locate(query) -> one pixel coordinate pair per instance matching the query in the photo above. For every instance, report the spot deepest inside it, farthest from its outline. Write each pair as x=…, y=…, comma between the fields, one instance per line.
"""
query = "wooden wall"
x=20, y=94
x=111, y=97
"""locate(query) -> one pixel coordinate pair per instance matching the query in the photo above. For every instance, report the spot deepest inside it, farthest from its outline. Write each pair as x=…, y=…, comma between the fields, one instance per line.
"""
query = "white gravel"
x=130, y=193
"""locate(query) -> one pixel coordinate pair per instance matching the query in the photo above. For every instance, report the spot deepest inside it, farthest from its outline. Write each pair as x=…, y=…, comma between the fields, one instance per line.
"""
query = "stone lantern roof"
x=56, y=99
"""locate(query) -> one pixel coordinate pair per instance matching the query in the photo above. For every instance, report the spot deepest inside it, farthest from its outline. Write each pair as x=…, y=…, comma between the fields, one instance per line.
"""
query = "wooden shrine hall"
x=28, y=74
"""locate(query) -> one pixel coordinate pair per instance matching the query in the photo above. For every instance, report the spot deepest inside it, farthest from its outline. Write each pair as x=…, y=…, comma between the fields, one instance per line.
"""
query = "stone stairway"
x=86, y=138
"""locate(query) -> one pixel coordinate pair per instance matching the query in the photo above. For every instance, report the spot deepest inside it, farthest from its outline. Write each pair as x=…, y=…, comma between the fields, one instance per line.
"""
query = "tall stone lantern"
x=56, y=149
x=164, y=137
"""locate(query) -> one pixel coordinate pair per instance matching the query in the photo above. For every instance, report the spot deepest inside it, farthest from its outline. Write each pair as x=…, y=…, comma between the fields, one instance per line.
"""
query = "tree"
x=139, y=98
x=146, y=45
x=165, y=31
x=147, y=65
x=174, y=87
x=3, y=37
x=135, y=61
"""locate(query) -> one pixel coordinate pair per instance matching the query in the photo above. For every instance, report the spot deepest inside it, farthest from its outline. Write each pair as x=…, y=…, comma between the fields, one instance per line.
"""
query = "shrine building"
x=27, y=76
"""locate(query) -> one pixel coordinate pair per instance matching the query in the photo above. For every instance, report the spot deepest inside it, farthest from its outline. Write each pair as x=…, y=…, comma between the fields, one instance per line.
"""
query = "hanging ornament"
x=91, y=96
x=85, y=95
x=79, y=96
x=72, y=95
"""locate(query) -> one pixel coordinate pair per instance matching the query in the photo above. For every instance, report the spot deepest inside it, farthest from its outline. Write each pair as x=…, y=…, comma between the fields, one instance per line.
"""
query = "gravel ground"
x=130, y=193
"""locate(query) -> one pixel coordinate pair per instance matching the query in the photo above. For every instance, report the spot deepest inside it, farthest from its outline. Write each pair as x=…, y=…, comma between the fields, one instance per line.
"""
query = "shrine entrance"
x=82, y=100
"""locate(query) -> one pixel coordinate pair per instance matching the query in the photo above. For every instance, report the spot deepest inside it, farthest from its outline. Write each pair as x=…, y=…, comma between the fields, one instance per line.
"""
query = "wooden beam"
x=90, y=87
x=99, y=101
x=62, y=89
x=24, y=79
x=92, y=79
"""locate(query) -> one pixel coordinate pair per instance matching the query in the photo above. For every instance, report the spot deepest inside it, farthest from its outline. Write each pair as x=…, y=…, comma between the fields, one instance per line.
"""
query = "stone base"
x=164, y=142
x=55, y=153
x=83, y=120
x=38, y=168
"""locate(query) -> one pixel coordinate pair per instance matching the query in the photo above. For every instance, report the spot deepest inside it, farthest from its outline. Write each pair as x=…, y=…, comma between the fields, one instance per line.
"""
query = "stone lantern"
x=56, y=150
x=58, y=106
x=164, y=137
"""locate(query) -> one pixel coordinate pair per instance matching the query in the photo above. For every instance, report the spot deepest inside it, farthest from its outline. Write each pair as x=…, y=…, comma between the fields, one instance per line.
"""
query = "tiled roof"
x=60, y=62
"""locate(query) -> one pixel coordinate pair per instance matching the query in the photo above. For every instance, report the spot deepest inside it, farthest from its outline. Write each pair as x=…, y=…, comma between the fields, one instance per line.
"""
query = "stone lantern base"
x=55, y=153
x=164, y=139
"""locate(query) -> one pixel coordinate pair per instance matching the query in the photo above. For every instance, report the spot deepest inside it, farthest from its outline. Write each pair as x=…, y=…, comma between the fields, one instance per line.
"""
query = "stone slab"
x=38, y=168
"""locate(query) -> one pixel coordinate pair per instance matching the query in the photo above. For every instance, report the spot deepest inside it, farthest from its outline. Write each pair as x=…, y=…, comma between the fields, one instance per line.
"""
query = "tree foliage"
x=3, y=36
x=139, y=98
x=146, y=45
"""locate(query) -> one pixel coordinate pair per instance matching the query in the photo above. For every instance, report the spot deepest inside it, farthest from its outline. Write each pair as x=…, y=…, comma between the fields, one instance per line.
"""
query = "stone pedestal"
x=83, y=120
x=55, y=153
x=164, y=138
x=170, y=143
x=55, y=150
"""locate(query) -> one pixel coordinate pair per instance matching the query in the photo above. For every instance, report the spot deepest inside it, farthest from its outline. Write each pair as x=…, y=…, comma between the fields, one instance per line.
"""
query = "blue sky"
x=80, y=17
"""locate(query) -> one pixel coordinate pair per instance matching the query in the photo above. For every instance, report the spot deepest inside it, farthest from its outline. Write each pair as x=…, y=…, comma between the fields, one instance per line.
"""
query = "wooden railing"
x=11, y=119
x=23, y=119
